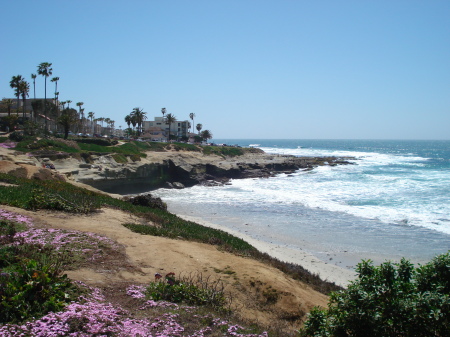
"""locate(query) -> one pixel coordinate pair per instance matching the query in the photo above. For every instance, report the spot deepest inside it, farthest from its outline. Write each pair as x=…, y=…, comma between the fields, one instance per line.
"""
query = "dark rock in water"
x=168, y=184
x=147, y=200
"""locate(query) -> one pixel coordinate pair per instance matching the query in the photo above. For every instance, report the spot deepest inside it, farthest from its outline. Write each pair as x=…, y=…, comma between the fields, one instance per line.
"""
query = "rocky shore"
x=173, y=169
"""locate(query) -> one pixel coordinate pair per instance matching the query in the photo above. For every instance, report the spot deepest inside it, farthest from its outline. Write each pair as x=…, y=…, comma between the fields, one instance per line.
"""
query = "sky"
x=284, y=69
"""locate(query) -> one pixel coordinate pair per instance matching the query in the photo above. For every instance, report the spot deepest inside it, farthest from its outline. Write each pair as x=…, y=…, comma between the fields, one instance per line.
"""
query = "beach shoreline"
x=327, y=272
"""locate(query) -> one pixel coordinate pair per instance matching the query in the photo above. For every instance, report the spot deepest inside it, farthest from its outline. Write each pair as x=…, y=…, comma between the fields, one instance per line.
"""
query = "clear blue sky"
x=247, y=68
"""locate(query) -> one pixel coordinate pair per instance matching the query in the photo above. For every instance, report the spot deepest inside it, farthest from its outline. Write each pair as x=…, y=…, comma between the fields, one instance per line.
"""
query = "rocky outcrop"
x=180, y=171
x=170, y=169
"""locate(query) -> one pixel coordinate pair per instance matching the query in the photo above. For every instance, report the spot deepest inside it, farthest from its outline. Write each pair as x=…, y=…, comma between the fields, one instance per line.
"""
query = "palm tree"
x=14, y=83
x=133, y=121
x=191, y=116
x=68, y=103
x=101, y=120
x=24, y=88
x=128, y=120
x=55, y=79
x=163, y=111
x=9, y=103
x=91, y=117
x=111, y=123
x=108, y=125
x=170, y=119
x=199, y=127
x=33, y=76
x=81, y=114
x=96, y=120
x=140, y=116
x=45, y=70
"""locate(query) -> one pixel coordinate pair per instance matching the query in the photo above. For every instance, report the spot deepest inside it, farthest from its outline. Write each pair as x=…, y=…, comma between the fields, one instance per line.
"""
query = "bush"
x=31, y=283
x=32, y=290
x=16, y=136
x=189, y=290
x=389, y=300
x=147, y=200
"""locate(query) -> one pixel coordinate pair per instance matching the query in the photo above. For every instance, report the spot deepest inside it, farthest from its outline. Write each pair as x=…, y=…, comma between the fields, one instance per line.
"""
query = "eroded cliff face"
x=179, y=170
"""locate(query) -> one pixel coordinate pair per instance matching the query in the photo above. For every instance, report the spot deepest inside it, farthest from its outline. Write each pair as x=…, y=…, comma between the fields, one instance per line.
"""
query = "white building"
x=160, y=128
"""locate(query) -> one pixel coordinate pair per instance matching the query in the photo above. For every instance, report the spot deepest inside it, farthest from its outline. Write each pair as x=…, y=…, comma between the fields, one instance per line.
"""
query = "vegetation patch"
x=188, y=289
x=31, y=280
x=120, y=158
x=49, y=144
x=393, y=299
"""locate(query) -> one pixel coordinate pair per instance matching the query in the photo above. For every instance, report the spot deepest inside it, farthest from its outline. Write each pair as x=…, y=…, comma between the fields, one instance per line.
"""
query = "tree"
x=10, y=121
x=133, y=121
x=24, y=88
x=68, y=118
x=163, y=111
x=33, y=77
x=140, y=116
x=44, y=69
x=91, y=116
x=191, y=116
x=199, y=128
x=107, y=121
x=128, y=120
x=9, y=103
x=206, y=134
x=170, y=119
x=81, y=114
x=55, y=79
x=389, y=300
x=68, y=103
x=14, y=83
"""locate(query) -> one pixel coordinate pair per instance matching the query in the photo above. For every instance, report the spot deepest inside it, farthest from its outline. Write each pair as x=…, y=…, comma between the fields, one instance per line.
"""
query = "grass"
x=129, y=148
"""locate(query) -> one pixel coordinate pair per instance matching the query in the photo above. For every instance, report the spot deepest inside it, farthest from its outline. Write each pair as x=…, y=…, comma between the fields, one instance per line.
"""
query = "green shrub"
x=16, y=136
x=389, y=300
x=33, y=290
x=189, y=290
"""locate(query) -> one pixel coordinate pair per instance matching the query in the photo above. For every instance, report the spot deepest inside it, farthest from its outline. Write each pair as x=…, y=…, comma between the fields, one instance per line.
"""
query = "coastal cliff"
x=178, y=169
x=169, y=166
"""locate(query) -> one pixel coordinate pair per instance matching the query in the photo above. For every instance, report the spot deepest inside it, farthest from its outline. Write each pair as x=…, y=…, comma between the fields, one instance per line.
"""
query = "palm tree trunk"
x=45, y=103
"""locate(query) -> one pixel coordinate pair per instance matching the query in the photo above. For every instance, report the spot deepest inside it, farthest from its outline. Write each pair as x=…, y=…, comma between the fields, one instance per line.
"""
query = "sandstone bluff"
x=171, y=168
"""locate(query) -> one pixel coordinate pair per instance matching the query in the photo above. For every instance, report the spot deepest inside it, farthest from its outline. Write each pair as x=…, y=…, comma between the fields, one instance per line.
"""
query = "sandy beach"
x=328, y=272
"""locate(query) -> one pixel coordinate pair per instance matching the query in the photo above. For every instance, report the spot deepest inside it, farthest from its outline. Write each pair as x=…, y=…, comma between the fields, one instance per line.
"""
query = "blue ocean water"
x=393, y=202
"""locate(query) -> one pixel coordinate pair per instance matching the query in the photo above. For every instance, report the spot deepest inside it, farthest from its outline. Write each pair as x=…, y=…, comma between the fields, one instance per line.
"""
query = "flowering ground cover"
x=91, y=314
x=10, y=145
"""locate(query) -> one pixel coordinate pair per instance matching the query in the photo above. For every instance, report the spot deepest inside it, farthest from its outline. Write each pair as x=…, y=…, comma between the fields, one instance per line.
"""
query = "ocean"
x=392, y=202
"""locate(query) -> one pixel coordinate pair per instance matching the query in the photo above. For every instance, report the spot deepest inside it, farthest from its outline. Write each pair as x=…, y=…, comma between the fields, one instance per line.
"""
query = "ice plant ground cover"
x=10, y=145
x=91, y=314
